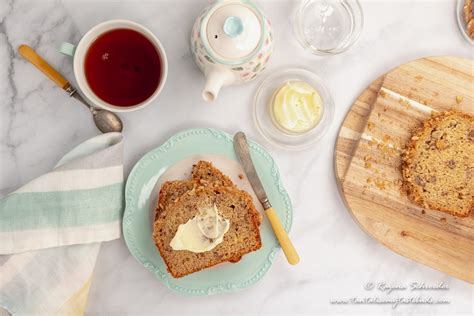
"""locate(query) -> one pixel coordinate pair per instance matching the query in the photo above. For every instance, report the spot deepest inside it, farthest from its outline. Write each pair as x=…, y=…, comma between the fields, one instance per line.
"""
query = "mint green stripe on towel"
x=30, y=211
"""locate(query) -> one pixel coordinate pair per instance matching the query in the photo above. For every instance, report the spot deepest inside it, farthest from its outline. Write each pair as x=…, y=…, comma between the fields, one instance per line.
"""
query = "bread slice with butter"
x=203, y=173
x=206, y=174
x=180, y=201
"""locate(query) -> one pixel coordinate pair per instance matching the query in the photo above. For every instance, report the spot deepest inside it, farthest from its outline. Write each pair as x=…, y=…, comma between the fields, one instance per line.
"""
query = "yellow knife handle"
x=29, y=54
x=282, y=236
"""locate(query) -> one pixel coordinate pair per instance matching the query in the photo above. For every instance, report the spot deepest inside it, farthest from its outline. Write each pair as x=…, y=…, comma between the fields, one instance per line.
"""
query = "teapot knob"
x=233, y=26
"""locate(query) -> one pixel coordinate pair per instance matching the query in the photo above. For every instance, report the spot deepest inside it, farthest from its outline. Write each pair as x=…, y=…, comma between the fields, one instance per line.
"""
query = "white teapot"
x=231, y=42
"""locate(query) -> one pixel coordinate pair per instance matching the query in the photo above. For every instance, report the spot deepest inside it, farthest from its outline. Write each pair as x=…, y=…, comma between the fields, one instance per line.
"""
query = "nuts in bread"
x=178, y=203
x=438, y=164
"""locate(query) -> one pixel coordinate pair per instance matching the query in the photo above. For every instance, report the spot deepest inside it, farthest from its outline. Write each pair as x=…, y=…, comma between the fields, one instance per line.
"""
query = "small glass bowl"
x=263, y=112
x=461, y=23
x=327, y=27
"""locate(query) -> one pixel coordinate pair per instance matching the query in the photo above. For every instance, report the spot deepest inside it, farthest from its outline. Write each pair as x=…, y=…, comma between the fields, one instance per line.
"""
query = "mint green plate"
x=137, y=227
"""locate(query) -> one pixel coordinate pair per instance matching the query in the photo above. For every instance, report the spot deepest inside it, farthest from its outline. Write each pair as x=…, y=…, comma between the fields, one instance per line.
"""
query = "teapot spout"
x=216, y=78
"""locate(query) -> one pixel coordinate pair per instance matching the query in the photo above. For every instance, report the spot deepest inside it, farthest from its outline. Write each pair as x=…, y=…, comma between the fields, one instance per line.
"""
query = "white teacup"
x=79, y=53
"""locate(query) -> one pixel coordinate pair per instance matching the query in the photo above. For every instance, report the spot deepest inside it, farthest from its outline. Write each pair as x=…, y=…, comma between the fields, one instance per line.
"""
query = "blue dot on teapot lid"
x=233, y=26
x=234, y=31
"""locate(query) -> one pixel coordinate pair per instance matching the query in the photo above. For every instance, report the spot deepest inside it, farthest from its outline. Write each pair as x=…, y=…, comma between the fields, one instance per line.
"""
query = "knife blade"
x=243, y=153
x=242, y=149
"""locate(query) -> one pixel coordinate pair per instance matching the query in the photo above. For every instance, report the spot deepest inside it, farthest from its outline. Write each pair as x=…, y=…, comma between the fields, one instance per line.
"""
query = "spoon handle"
x=29, y=54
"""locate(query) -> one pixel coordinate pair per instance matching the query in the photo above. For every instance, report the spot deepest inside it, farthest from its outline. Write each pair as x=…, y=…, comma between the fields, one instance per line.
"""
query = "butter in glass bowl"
x=296, y=107
x=293, y=109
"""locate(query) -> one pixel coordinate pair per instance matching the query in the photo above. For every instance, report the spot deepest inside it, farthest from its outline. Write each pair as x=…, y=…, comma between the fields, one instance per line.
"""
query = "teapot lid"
x=233, y=31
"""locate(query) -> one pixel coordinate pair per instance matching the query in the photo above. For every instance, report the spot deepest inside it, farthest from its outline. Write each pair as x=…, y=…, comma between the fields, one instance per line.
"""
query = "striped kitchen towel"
x=51, y=229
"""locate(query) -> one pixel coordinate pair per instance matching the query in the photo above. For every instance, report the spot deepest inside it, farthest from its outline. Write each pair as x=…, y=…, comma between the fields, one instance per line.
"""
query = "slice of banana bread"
x=236, y=206
x=203, y=173
x=170, y=191
x=206, y=174
x=204, y=177
x=438, y=164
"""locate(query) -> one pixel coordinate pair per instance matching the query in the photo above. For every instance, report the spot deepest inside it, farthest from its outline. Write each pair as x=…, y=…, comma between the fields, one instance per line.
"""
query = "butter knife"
x=242, y=150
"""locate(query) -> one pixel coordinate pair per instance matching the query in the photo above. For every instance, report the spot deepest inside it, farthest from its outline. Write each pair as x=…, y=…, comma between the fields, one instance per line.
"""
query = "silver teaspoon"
x=105, y=121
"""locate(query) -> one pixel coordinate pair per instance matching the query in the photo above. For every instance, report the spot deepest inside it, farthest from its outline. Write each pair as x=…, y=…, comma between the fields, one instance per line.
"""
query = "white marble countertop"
x=39, y=123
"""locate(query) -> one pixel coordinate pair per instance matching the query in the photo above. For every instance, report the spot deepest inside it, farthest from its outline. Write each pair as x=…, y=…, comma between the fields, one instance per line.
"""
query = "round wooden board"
x=430, y=240
x=352, y=127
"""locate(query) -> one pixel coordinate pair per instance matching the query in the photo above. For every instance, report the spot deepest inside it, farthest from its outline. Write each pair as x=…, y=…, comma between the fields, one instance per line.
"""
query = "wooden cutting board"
x=353, y=126
x=367, y=160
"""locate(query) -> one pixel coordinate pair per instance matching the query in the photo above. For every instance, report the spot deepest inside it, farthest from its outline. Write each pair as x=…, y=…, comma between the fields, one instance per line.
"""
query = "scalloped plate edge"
x=164, y=276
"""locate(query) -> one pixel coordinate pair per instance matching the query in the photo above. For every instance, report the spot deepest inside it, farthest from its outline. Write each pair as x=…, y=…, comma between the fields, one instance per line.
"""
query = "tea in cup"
x=119, y=65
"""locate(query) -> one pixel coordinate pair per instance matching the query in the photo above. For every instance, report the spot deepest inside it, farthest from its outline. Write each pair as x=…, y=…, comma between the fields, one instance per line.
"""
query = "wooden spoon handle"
x=29, y=54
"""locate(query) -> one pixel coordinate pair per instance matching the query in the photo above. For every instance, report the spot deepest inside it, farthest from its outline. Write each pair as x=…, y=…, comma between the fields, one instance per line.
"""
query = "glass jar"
x=326, y=27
